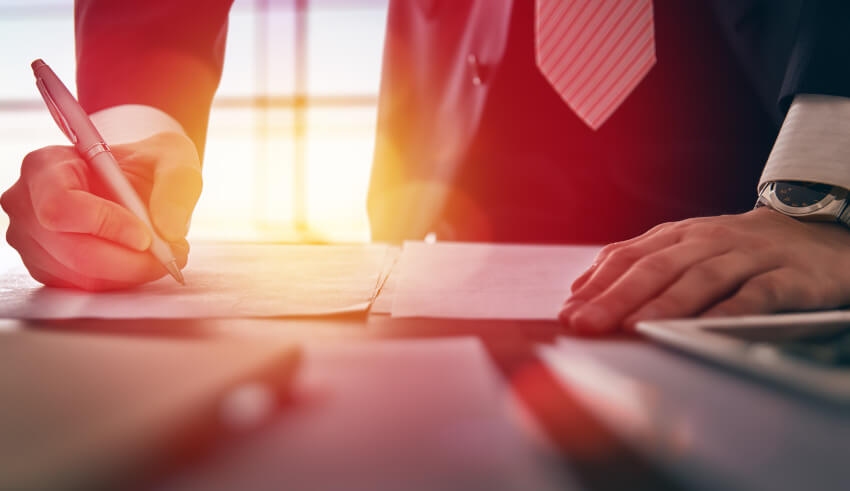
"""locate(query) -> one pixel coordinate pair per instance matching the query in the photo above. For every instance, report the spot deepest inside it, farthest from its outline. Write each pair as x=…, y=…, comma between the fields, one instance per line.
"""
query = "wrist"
x=133, y=122
x=807, y=201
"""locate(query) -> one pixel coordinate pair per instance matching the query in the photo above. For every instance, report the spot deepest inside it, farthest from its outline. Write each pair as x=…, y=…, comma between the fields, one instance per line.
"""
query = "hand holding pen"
x=65, y=216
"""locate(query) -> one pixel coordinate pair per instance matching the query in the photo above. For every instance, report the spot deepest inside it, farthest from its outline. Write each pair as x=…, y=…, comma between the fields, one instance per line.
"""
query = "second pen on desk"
x=75, y=123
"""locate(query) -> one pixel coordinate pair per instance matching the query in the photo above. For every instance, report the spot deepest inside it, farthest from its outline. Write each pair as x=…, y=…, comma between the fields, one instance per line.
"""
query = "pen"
x=75, y=123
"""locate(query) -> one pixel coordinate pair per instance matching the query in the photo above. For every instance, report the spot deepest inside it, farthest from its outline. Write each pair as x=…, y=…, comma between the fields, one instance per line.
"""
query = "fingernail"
x=590, y=318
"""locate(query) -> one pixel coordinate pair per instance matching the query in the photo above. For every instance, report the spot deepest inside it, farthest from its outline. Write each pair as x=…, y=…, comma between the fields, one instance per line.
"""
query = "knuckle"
x=51, y=213
x=587, y=291
x=625, y=255
x=661, y=227
x=713, y=231
x=37, y=159
x=12, y=238
x=654, y=264
x=6, y=201
x=708, y=274
x=32, y=161
x=14, y=201
x=681, y=226
x=686, y=226
x=105, y=222
x=607, y=250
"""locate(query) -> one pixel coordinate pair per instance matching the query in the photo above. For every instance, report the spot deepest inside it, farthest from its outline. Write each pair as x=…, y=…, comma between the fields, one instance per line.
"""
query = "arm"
x=147, y=71
x=760, y=261
x=165, y=54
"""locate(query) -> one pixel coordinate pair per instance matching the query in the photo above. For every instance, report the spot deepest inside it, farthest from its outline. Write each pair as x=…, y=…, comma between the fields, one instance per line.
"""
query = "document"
x=383, y=303
x=486, y=281
x=222, y=280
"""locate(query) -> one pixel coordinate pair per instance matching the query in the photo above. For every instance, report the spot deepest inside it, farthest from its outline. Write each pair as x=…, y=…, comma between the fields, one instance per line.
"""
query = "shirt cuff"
x=133, y=122
x=813, y=144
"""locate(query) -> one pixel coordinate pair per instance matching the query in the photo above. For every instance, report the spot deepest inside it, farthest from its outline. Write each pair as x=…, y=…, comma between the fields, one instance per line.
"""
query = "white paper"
x=383, y=303
x=486, y=281
x=222, y=280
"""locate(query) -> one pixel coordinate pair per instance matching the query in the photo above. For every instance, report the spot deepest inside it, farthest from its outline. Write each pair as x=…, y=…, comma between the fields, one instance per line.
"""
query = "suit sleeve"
x=814, y=142
x=820, y=59
x=162, y=53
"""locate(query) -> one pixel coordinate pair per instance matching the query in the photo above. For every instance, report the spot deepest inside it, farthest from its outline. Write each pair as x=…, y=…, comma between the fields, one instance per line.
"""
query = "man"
x=507, y=120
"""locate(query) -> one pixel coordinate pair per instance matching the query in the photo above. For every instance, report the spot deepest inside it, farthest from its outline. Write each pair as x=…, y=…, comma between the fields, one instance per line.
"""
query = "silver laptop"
x=807, y=352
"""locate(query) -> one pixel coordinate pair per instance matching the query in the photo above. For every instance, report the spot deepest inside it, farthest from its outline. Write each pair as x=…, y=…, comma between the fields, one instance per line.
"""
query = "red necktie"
x=594, y=52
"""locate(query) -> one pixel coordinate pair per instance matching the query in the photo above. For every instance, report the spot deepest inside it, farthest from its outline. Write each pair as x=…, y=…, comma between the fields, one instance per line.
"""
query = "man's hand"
x=70, y=234
x=754, y=263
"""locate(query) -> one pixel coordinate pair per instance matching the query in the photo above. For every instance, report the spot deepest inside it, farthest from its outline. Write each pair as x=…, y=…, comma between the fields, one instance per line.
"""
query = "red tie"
x=594, y=52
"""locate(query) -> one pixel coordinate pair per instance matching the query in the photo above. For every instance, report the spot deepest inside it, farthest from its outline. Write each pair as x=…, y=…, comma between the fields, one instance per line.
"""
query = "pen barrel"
x=72, y=118
x=161, y=250
x=107, y=168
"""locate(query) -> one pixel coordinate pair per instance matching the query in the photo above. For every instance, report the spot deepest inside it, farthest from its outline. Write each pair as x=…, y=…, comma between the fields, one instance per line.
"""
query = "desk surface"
x=385, y=403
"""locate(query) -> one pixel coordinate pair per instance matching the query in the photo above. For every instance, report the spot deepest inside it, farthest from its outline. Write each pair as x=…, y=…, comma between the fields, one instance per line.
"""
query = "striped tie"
x=594, y=52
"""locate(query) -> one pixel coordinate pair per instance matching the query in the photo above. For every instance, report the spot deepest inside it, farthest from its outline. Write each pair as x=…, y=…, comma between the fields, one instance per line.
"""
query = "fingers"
x=703, y=285
x=642, y=281
x=87, y=261
x=70, y=235
x=100, y=259
x=727, y=265
x=607, y=251
x=612, y=264
x=176, y=180
x=176, y=189
x=61, y=203
x=47, y=270
x=782, y=289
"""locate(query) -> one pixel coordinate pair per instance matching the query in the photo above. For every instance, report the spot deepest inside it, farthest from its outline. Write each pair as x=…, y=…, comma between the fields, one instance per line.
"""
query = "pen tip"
x=174, y=271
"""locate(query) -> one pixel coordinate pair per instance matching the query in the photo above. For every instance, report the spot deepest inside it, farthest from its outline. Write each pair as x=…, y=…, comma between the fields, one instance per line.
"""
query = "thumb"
x=176, y=188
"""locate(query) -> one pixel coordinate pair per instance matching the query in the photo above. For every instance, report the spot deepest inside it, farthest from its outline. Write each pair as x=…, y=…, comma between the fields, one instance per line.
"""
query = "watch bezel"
x=834, y=193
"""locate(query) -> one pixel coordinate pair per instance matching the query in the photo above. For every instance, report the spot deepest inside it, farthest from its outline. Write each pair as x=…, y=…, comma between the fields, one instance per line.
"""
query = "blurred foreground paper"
x=486, y=281
x=83, y=411
x=222, y=280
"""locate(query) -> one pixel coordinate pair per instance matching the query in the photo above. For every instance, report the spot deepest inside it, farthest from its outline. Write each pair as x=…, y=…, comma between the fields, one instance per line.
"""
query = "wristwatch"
x=809, y=201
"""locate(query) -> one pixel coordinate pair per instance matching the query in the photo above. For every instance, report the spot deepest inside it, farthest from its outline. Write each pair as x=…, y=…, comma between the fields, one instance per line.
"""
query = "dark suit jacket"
x=169, y=54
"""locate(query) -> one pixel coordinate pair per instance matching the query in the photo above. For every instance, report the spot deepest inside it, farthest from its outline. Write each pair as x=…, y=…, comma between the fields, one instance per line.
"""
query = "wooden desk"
x=386, y=403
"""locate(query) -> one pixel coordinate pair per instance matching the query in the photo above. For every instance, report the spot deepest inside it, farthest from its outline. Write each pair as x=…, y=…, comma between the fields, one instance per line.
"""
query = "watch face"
x=799, y=194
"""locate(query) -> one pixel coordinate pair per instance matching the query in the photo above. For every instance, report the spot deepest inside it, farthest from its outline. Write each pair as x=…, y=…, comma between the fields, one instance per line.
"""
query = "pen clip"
x=55, y=112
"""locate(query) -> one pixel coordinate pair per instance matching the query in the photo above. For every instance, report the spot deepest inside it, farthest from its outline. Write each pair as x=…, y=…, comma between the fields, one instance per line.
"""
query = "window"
x=292, y=127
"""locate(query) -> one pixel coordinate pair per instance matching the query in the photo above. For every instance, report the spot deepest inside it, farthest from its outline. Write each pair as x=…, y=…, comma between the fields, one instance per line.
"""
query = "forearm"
x=164, y=54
